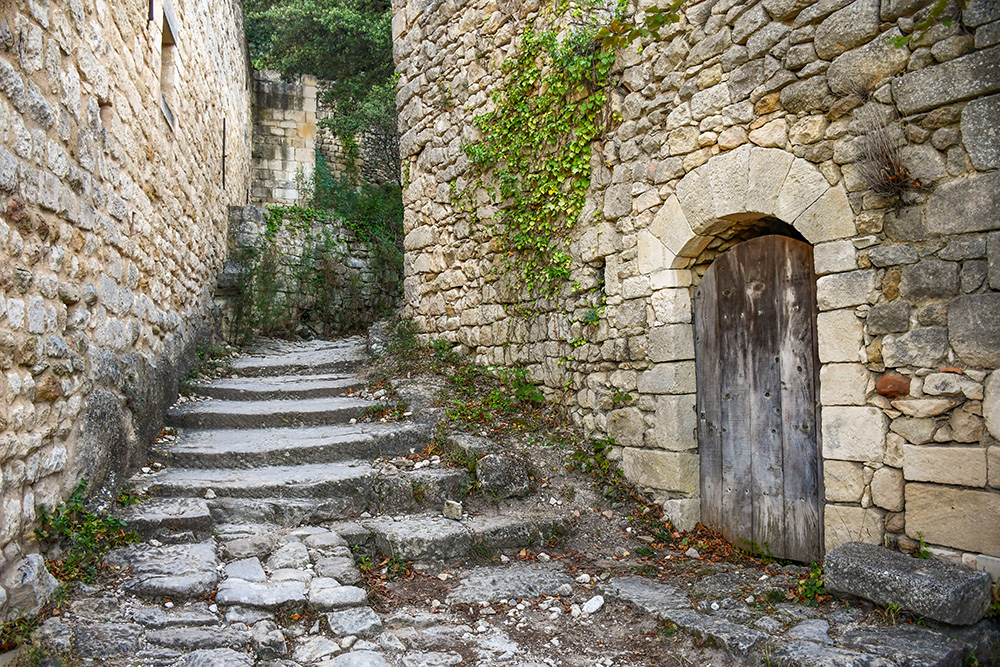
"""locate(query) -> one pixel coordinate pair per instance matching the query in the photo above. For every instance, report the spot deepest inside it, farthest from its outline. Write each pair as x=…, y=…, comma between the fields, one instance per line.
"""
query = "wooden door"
x=757, y=373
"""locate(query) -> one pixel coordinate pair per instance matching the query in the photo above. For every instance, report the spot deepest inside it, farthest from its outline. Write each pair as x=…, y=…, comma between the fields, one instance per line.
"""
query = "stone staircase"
x=268, y=484
x=271, y=483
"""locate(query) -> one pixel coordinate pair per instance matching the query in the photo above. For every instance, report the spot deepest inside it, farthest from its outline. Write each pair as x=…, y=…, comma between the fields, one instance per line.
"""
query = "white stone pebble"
x=583, y=579
x=593, y=605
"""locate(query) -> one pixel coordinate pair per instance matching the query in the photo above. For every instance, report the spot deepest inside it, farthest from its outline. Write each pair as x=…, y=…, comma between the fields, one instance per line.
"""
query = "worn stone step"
x=278, y=358
x=245, y=448
x=288, y=512
x=278, y=387
x=168, y=518
x=431, y=537
x=317, y=480
x=267, y=414
x=175, y=571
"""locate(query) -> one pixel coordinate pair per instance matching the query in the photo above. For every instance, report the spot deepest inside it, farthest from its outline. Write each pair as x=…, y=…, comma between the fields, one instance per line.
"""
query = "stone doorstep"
x=264, y=414
x=278, y=387
x=244, y=448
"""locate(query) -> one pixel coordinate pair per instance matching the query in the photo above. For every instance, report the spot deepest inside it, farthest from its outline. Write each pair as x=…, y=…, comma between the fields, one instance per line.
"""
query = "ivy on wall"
x=534, y=155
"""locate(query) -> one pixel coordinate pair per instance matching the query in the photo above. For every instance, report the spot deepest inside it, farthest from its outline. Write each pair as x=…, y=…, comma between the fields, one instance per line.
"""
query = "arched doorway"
x=757, y=378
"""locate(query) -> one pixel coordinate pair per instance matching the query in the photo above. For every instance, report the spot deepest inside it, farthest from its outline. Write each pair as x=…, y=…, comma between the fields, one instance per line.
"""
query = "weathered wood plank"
x=759, y=260
x=708, y=371
x=802, y=470
x=734, y=430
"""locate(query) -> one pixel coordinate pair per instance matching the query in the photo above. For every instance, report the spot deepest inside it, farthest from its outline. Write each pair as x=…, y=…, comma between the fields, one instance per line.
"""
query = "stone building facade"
x=124, y=137
x=746, y=118
x=284, y=138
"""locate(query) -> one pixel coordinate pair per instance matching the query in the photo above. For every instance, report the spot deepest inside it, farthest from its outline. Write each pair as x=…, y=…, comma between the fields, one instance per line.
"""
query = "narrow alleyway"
x=272, y=486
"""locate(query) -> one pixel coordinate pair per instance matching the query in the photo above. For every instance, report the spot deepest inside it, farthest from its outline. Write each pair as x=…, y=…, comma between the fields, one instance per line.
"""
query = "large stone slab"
x=974, y=328
x=963, y=78
x=967, y=519
x=421, y=537
x=360, y=622
x=516, y=581
x=267, y=595
x=159, y=517
x=178, y=571
x=811, y=654
x=217, y=657
x=935, y=589
x=981, y=132
x=964, y=205
x=264, y=413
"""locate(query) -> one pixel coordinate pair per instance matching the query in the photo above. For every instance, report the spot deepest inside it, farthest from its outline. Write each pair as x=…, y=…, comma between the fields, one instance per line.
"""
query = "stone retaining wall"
x=112, y=161
x=329, y=281
x=743, y=114
x=284, y=138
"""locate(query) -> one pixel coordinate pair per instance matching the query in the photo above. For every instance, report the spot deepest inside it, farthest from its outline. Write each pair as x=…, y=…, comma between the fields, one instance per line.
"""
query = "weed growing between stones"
x=810, y=589
x=76, y=539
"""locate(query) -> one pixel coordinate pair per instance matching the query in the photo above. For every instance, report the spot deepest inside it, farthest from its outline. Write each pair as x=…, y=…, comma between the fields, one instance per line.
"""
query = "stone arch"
x=746, y=183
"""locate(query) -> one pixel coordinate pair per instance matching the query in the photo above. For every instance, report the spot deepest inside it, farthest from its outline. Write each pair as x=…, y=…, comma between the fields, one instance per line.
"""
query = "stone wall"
x=284, y=138
x=327, y=280
x=743, y=114
x=113, y=226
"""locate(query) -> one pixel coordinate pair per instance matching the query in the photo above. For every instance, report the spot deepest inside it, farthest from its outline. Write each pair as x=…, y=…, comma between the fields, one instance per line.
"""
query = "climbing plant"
x=534, y=155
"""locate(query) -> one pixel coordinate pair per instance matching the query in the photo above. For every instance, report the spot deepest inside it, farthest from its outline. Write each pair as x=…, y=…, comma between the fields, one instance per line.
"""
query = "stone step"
x=169, y=519
x=420, y=490
x=432, y=537
x=352, y=480
x=278, y=387
x=245, y=448
x=266, y=414
x=278, y=358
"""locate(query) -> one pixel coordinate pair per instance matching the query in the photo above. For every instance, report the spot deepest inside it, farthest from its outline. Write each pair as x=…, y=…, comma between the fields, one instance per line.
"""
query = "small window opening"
x=168, y=66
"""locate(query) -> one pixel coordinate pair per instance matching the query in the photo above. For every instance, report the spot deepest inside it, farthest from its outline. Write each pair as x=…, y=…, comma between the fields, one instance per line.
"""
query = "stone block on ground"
x=516, y=581
x=327, y=594
x=938, y=590
x=360, y=622
x=159, y=517
x=502, y=476
x=218, y=657
x=28, y=584
x=178, y=571
x=420, y=537
x=267, y=595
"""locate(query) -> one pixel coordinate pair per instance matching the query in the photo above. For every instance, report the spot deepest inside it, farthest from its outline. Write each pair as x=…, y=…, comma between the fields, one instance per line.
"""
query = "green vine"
x=534, y=156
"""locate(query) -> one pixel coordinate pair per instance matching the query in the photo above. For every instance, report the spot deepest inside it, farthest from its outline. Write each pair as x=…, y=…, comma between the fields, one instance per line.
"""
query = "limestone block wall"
x=748, y=117
x=113, y=225
x=284, y=138
x=329, y=281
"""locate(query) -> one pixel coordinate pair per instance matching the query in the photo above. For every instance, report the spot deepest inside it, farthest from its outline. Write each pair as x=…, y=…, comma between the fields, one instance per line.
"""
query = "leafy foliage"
x=345, y=42
x=534, y=155
x=82, y=537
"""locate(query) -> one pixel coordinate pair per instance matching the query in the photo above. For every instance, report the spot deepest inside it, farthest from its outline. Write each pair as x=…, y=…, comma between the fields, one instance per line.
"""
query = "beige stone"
x=840, y=290
x=965, y=519
x=834, y=257
x=991, y=404
x=771, y=135
x=652, y=253
x=684, y=513
x=843, y=384
x=840, y=336
x=961, y=466
x=887, y=489
x=732, y=137
x=916, y=431
x=672, y=306
x=671, y=227
x=847, y=523
x=808, y=130
x=672, y=342
x=924, y=407
x=895, y=522
x=853, y=433
x=727, y=176
x=952, y=384
x=993, y=466
x=668, y=378
x=894, y=450
x=660, y=469
x=674, y=424
x=829, y=217
x=843, y=481
x=802, y=187
x=627, y=426
x=965, y=426
x=767, y=170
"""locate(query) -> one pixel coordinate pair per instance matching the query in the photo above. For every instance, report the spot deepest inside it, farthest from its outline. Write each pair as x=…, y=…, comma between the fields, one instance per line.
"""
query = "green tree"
x=346, y=42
